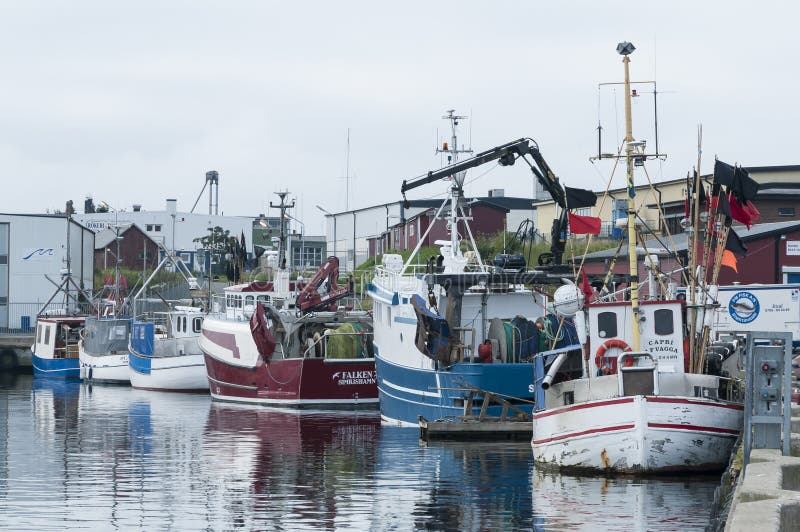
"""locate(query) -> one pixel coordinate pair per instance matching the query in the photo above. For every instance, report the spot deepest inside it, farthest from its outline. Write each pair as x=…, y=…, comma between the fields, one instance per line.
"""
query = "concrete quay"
x=768, y=498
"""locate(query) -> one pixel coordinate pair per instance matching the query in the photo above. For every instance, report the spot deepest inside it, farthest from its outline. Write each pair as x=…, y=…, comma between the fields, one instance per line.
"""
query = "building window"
x=307, y=255
x=786, y=211
x=584, y=211
x=411, y=230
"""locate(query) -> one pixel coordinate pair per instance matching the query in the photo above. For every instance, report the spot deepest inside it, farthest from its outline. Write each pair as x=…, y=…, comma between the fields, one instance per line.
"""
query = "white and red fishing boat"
x=273, y=346
x=641, y=396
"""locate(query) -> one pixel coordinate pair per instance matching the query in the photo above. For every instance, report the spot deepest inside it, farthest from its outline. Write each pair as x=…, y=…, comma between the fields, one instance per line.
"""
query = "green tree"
x=218, y=240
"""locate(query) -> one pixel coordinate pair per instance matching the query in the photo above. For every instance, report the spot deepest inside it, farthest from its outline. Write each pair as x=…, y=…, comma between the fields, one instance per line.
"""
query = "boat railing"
x=359, y=347
x=407, y=282
x=635, y=378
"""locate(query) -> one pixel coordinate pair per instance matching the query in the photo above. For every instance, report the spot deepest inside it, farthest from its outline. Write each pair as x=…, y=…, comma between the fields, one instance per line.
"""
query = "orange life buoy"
x=609, y=364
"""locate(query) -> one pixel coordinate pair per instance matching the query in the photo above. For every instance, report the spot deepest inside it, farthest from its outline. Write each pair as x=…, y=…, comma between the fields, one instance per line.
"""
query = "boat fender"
x=608, y=365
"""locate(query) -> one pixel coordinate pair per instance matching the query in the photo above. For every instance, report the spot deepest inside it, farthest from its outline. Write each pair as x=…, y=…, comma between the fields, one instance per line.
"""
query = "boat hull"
x=406, y=393
x=296, y=383
x=637, y=434
x=59, y=368
x=106, y=369
x=183, y=373
x=237, y=372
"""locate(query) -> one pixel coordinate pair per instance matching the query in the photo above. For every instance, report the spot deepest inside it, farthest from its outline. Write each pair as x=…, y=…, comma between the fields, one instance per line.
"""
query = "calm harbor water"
x=111, y=458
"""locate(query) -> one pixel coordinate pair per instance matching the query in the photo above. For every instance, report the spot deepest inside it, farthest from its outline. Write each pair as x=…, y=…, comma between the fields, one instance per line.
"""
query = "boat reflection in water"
x=303, y=468
x=75, y=456
x=564, y=502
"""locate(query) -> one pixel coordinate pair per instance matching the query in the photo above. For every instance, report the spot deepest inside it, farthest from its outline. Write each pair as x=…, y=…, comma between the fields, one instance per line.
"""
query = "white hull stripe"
x=410, y=390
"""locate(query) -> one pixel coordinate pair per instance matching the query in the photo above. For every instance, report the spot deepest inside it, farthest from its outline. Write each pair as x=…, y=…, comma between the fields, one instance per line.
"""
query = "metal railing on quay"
x=19, y=319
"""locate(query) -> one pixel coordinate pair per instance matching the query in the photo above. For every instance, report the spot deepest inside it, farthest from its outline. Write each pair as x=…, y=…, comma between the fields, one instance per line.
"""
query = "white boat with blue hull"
x=164, y=353
x=55, y=347
x=103, y=350
x=490, y=326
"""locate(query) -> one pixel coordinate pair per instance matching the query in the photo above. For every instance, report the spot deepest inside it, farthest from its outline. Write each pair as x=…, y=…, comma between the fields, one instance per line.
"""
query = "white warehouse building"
x=173, y=229
x=33, y=248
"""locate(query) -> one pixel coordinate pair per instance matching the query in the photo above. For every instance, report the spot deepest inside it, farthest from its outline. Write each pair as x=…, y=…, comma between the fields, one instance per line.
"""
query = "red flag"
x=586, y=288
x=750, y=209
x=584, y=225
x=738, y=213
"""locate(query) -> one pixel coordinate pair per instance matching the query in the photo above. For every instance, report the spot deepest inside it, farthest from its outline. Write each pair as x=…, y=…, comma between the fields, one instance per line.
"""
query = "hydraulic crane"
x=506, y=155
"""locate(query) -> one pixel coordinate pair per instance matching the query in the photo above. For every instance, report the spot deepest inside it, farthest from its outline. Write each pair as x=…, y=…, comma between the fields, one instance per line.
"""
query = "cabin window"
x=263, y=299
x=149, y=227
x=378, y=313
x=607, y=324
x=663, y=322
x=786, y=211
x=47, y=336
x=197, y=324
x=389, y=316
x=39, y=334
x=249, y=300
x=157, y=228
x=238, y=301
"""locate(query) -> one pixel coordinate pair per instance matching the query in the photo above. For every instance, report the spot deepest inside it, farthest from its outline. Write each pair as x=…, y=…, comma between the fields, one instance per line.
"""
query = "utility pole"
x=283, y=207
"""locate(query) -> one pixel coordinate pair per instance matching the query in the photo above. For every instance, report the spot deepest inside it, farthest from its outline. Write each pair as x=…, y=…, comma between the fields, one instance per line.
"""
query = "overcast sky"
x=134, y=105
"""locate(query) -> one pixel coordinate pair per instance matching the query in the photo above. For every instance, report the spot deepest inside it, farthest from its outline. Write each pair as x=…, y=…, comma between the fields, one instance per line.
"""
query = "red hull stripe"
x=697, y=428
x=583, y=433
x=581, y=407
x=691, y=402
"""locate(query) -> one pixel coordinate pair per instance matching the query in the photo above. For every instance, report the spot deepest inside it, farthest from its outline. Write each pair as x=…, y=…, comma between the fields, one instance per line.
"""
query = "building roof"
x=658, y=246
x=105, y=237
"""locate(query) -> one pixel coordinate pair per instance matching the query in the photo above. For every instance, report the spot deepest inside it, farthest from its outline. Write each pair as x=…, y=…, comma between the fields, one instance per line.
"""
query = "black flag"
x=723, y=173
x=735, y=244
x=578, y=198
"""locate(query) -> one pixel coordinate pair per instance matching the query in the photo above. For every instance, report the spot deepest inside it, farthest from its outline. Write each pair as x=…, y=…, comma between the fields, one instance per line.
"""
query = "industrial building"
x=172, y=229
x=33, y=258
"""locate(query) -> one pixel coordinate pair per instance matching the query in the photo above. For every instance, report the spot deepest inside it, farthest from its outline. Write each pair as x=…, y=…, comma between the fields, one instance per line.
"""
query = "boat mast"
x=457, y=189
x=283, y=206
x=625, y=49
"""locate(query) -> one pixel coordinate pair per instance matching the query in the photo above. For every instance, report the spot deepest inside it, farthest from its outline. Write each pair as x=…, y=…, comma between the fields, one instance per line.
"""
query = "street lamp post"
x=325, y=211
x=302, y=241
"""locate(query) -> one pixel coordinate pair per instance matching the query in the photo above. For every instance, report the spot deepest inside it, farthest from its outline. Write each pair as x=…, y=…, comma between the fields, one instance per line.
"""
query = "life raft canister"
x=608, y=365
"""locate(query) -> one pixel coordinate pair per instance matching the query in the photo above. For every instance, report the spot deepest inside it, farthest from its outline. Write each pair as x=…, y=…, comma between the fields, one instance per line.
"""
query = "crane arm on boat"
x=506, y=155
x=311, y=298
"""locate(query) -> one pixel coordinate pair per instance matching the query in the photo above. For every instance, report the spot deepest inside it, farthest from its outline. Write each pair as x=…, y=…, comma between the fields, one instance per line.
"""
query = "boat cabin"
x=173, y=333
x=241, y=299
x=57, y=337
x=660, y=333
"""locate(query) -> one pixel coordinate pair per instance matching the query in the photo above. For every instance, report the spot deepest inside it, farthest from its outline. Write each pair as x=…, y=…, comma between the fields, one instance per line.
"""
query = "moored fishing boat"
x=55, y=348
x=640, y=397
x=274, y=346
x=163, y=353
x=458, y=324
x=103, y=349
x=55, y=352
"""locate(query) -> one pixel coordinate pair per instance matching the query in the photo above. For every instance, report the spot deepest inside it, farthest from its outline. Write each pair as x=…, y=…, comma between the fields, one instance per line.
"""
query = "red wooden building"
x=487, y=218
x=136, y=249
x=773, y=256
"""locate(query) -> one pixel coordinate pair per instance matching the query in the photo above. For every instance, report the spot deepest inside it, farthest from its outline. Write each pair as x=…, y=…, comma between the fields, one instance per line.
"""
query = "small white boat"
x=103, y=350
x=164, y=353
